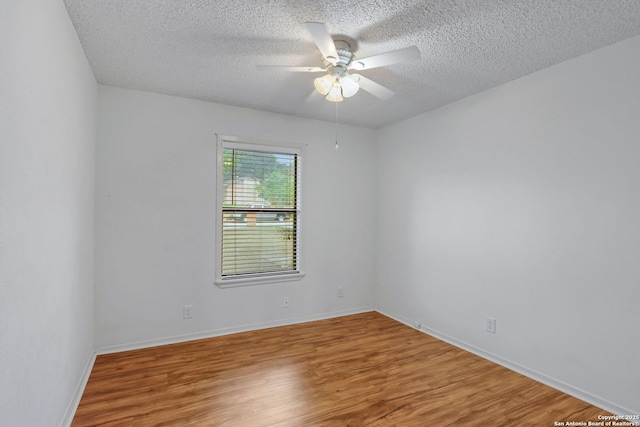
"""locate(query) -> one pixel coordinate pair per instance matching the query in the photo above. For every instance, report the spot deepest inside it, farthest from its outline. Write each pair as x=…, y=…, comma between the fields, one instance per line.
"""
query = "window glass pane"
x=254, y=179
x=260, y=247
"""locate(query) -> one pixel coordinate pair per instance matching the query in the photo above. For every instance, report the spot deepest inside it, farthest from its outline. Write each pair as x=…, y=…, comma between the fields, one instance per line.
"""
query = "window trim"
x=228, y=141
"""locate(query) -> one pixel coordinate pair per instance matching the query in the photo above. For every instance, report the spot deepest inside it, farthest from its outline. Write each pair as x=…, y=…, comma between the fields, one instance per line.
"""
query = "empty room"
x=305, y=213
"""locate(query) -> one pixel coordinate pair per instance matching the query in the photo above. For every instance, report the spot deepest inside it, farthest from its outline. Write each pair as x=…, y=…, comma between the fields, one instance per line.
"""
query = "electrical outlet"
x=491, y=325
x=187, y=311
x=285, y=302
x=340, y=293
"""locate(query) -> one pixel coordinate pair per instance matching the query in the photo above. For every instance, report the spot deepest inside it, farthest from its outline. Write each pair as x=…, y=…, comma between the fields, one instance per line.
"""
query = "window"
x=258, y=218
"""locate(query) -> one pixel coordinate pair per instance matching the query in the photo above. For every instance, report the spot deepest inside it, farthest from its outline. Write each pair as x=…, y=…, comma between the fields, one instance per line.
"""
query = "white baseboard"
x=229, y=331
x=534, y=375
x=77, y=395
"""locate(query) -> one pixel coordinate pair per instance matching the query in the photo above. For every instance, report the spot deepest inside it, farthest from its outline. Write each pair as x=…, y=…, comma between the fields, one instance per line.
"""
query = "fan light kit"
x=337, y=83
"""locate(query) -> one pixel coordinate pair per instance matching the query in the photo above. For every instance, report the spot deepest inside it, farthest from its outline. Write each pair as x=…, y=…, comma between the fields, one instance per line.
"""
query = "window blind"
x=259, y=213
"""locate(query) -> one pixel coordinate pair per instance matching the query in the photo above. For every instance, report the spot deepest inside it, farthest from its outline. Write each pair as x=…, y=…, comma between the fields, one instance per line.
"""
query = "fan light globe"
x=335, y=93
x=323, y=84
x=349, y=87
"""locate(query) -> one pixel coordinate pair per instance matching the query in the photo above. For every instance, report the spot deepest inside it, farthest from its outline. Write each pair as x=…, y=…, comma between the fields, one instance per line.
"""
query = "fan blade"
x=288, y=68
x=373, y=88
x=323, y=40
x=393, y=57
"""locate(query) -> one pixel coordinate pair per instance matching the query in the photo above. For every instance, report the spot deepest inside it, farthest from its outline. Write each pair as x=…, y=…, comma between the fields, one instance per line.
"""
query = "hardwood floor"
x=361, y=370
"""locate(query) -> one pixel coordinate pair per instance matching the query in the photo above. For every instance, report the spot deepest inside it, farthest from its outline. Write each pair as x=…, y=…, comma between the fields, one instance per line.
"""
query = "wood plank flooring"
x=360, y=370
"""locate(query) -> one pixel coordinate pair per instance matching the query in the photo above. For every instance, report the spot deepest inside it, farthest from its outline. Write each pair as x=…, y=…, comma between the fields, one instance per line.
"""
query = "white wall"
x=156, y=215
x=522, y=203
x=47, y=148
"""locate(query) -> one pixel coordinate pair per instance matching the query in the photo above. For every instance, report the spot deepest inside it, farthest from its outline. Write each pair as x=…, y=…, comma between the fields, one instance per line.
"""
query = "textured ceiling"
x=208, y=49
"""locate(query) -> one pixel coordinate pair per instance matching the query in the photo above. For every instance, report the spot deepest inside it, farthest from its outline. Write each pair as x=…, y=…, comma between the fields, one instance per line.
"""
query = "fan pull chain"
x=336, y=125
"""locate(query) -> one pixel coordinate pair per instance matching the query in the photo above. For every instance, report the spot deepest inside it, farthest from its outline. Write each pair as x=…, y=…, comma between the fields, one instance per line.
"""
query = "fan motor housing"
x=345, y=58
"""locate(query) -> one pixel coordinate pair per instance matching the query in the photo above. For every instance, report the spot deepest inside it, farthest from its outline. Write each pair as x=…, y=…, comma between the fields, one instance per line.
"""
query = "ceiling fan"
x=338, y=83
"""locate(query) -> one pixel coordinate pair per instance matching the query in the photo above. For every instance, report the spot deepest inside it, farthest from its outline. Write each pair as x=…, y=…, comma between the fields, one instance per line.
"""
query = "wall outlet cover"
x=187, y=311
x=491, y=325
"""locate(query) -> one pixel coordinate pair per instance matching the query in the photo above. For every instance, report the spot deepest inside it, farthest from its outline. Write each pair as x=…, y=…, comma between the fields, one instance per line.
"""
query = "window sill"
x=257, y=280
